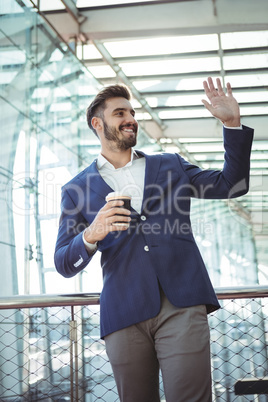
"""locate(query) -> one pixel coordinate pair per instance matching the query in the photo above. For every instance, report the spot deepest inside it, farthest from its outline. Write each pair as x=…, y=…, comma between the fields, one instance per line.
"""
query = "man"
x=156, y=290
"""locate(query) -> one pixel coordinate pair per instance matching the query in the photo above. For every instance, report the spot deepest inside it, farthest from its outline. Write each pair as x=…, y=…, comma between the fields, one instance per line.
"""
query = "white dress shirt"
x=128, y=180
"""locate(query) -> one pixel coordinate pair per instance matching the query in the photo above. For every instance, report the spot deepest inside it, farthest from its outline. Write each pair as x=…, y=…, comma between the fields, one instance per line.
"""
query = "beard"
x=113, y=135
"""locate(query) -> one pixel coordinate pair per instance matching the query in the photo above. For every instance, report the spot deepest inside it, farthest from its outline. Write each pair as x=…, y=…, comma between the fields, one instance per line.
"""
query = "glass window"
x=257, y=96
x=238, y=40
x=245, y=61
x=179, y=100
x=248, y=80
x=87, y=52
x=182, y=114
x=163, y=45
x=46, y=5
x=171, y=66
x=102, y=71
x=96, y=3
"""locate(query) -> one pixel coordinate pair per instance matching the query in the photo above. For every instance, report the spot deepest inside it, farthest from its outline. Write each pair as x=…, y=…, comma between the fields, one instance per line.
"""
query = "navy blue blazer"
x=159, y=246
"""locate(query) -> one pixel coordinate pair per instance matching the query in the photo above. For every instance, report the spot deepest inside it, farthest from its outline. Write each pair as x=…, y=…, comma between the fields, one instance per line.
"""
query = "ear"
x=96, y=123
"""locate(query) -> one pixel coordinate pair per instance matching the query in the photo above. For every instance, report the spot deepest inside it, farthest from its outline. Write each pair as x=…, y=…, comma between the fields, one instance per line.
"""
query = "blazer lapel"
x=92, y=180
x=153, y=163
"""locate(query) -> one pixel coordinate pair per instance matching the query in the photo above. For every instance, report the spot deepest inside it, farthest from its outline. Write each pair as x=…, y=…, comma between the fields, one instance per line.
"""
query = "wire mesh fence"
x=55, y=353
x=238, y=347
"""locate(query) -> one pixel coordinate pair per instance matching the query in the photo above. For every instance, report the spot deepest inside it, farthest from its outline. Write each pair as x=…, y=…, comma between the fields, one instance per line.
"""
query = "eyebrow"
x=118, y=109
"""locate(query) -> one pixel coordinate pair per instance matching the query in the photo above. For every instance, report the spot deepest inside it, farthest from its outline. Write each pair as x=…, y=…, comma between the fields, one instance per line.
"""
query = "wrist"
x=87, y=237
x=232, y=123
x=90, y=247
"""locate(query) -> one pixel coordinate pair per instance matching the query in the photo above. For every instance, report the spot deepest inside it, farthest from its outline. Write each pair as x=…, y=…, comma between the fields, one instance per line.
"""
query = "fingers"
x=119, y=214
x=210, y=89
x=106, y=221
x=213, y=92
x=111, y=204
x=229, y=89
x=219, y=86
x=114, y=207
x=110, y=213
x=207, y=105
x=211, y=84
x=206, y=88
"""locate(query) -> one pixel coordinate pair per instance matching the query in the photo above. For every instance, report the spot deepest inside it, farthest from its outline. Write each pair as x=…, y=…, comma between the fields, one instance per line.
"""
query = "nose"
x=131, y=119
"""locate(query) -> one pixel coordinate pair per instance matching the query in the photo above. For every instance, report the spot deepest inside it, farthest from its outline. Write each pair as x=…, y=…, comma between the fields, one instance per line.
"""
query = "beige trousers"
x=177, y=340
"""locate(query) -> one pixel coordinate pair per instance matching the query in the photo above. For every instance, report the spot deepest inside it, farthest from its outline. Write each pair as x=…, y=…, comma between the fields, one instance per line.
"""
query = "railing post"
x=73, y=357
x=71, y=335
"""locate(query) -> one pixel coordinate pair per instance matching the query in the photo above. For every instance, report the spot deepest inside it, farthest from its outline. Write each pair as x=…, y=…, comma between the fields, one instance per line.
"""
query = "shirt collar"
x=101, y=161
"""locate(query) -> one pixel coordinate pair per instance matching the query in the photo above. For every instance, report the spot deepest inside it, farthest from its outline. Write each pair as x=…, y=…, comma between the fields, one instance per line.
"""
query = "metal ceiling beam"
x=131, y=4
x=72, y=9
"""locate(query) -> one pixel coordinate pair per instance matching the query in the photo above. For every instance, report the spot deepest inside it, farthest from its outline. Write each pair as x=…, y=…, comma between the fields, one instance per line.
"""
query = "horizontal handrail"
x=49, y=300
x=83, y=299
x=241, y=292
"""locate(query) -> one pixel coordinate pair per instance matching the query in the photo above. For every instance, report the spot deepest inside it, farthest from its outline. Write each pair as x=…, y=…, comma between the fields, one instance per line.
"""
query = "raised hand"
x=222, y=106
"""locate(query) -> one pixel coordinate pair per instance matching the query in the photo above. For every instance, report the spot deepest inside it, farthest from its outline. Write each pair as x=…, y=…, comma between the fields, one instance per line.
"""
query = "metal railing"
x=50, y=348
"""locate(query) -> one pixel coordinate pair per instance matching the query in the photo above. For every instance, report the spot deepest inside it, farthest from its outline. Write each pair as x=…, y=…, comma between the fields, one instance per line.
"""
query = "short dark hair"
x=98, y=105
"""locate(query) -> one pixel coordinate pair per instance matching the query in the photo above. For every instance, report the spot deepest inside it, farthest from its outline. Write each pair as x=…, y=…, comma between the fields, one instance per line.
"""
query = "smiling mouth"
x=129, y=129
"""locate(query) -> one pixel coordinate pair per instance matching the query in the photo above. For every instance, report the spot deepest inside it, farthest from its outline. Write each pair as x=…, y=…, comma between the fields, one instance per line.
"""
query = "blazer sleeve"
x=233, y=180
x=70, y=255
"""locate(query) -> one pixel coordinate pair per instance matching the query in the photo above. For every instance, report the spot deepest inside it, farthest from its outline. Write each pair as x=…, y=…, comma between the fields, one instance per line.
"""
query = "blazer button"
x=143, y=218
x=146, y=248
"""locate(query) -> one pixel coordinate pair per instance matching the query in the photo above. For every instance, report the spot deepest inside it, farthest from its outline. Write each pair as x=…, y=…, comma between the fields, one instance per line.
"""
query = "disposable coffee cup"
x=115, y=196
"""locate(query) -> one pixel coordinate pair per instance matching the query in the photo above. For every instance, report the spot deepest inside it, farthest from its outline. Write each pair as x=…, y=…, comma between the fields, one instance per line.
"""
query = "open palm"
x=222, y=106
